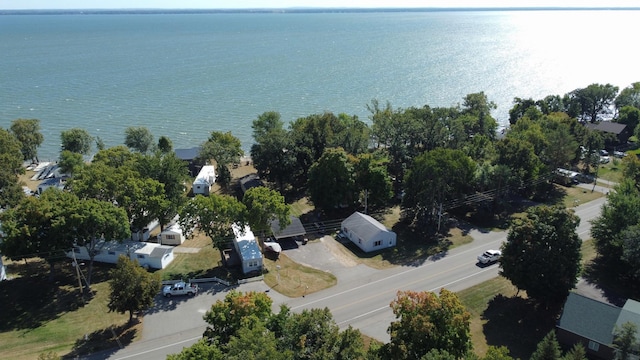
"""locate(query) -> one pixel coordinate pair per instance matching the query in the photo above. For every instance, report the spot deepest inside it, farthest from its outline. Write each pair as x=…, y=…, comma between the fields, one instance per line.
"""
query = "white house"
x=148, y=255
x=248, y=249
x=367, y=233
x=205, y=180
x=171, y=235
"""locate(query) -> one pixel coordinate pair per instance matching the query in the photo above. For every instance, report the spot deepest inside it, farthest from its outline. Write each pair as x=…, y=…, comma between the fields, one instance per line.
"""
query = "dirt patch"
x=344, y=256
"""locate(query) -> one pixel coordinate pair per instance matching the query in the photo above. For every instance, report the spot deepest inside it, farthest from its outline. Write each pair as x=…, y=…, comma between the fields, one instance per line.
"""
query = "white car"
x=489, y=256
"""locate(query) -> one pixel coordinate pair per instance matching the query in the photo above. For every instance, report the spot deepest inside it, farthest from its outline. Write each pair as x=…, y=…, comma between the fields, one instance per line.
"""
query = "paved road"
x=360, y=299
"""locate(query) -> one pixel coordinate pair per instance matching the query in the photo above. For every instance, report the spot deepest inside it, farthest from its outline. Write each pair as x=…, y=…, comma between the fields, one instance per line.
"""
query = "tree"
x=497, y=353
x=625, y=339
x=631, y=252
x=90, y=222
x=172, y=173
x=198, y=351
x=263, y=206
x=165, y=145
x=428, y=321
x=561, y=146
x=132, y=287
x=11, y=160
x=225, y=149
x=254, y=341
x=520, y=157
x=577, y=352
x=331, y=181
x=621, y=211
x=352, y=134
x=372, y=179
x=437, y=178
x=479, y=107
x=214, y=215
x=629, y=116
x=542, y=253
x=33, y=227
x=27, y=131
x=274, y=156
x=312, y=334
x=76, y=140
x=70, y=162
x=548, y=348
x=594, y=100
x=237, y=309
x=629, y=96
x=138, y=138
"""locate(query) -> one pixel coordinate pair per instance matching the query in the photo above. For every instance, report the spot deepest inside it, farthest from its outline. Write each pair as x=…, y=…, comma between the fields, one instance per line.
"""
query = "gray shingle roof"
x=363, y=225
x=294, y=229
x=589, y=318
x=608, y=126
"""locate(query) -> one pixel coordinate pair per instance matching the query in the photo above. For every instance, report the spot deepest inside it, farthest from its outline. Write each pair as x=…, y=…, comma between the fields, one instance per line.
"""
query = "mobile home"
x=205, y=180
x=248, y=249
x=148, y=255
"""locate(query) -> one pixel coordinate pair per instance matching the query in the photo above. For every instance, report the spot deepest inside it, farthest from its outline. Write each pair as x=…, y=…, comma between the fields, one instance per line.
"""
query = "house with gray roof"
x=367, y=233
x=622, y=132
x=593, y=323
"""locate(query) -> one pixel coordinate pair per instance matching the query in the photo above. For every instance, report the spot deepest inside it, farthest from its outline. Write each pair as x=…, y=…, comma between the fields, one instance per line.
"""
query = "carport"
x=294, y=229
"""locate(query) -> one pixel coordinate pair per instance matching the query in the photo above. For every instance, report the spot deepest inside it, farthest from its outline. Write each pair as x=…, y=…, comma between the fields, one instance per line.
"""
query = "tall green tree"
x=165, y=145
x=274, y=157
x=437, y=178
x=138, y=138
x=372, y=179
x=263, y=206
x=621, y=211
x=76, y=140
x=594, y=100
x=254, y=341
x=214, y=215
x=198, y=351
x=542, y=253
x=70, y=162
x=548, y=348
x=226, y=150
x=11, y=159
x=428, y=321
x=625, y=340
x=226, y=317
x=478, y=106
x=629, y=96
x=27, y=131
x=312, y=334
x=331, y=180
x=132, y=287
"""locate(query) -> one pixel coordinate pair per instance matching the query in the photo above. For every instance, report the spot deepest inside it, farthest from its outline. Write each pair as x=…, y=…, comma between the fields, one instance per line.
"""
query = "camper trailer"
x=172, y=235
x=248, y=249
x=148, y=255
x=205, y=180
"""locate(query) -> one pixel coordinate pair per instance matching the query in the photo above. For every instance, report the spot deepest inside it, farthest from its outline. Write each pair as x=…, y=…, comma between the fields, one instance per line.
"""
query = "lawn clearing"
x=294, y=280
x=40, y=316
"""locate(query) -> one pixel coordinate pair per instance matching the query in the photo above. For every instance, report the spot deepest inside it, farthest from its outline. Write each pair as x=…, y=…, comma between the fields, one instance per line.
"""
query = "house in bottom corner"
x=367, y=233
x=593, y=324
x=248, y=250
x=148, y=255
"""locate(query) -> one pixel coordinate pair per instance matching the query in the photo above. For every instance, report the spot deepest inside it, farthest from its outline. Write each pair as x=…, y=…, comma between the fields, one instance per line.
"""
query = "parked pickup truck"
x=180, y=288
x=489, y=256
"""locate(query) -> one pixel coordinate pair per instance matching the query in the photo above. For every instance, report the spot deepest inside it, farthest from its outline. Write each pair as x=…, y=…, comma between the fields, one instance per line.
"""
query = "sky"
x=249, y=4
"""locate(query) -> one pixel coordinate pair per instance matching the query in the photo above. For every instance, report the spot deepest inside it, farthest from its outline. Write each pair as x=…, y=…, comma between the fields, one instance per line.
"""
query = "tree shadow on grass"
x=517, y=323
x=30, y=301
x=110, y=339
x=615, y=288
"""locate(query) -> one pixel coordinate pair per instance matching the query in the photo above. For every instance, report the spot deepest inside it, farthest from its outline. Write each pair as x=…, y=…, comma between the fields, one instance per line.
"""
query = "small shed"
x=148, y=255
x=171, y=235
x=367, y=233
x=248, y=249
x=250, y=181
x=189, y=156
x=205, y=180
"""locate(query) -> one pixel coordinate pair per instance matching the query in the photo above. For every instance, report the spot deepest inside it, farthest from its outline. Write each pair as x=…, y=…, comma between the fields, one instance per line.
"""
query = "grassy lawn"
x=611, y=171
x=41, y=316
x=294, y=280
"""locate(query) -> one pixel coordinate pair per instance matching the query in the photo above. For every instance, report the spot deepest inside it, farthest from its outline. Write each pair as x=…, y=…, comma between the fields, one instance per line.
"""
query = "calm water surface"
x=185, y=75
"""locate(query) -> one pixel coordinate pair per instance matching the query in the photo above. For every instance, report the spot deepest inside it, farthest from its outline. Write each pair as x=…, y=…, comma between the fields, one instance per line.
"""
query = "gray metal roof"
x=187, y=154
x=589, y=318
x=294, y=229
x=363, y=225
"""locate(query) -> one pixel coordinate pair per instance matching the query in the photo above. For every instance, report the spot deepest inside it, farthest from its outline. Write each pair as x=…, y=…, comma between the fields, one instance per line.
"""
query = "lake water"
x=185, y=75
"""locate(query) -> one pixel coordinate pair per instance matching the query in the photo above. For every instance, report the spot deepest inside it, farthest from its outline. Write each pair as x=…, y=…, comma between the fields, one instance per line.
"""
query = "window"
x=140, y=256
x=170, y=237
x=594, y=345
x=112, y=252
x=253, y=263
x=377, y=243
x=76, y=250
